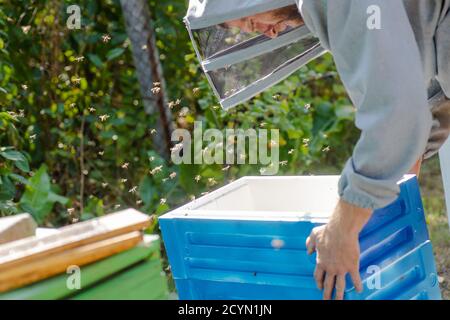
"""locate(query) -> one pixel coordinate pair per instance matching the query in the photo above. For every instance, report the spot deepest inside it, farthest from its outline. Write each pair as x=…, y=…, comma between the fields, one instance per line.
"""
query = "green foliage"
x=16, y=157
x=13, y=163
x=72, y=122
x=39, y=196
x=7, y=175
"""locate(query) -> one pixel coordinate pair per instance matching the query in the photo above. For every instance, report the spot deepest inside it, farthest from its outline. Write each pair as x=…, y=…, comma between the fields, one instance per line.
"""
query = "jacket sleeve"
x=382, y=72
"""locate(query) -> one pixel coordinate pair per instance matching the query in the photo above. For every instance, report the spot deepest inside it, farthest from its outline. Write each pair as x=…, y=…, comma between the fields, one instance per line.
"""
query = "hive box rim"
x=189, y=211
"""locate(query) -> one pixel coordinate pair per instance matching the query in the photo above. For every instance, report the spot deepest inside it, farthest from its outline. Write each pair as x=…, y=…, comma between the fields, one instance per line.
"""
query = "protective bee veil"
x=247, y=46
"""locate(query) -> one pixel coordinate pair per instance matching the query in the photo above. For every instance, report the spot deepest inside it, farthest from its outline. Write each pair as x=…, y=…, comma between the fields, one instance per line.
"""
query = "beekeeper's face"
x=270, y=23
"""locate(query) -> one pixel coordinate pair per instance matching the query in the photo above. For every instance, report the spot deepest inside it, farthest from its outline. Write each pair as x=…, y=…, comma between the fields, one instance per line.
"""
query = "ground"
x=435, y=209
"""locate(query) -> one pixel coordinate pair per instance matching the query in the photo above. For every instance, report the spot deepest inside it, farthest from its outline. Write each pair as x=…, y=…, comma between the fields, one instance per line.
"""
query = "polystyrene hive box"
x=247, y=239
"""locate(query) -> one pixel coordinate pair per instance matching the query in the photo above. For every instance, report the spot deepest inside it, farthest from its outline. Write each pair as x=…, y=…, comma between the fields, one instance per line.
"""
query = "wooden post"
x=444, y=156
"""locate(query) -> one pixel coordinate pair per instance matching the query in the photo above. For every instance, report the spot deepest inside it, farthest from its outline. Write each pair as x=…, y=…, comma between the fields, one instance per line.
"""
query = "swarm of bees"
x=182, y=112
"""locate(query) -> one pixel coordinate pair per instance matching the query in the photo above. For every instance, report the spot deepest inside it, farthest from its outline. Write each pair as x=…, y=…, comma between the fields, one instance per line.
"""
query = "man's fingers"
x=311, y=243
x=328, y=286
x=356, y=279
x=319, y=275
x=340, y=287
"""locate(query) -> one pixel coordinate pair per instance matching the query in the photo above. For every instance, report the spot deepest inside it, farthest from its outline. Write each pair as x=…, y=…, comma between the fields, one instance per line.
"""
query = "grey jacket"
x=389, y=74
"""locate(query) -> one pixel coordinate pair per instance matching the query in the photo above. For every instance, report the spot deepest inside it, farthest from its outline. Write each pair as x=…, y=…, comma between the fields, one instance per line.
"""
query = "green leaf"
x=57, y=198
x=93, y=208
x=7, y=190
x=18, y=178
x=147, y=191
x=23, y=165
x=95, y=59
x=294, y=133
x=12, y=155
x=114, y=53
x=187, y=177
x=39, y=198
x=8, y=208
x=162, y=208
x=18, y=158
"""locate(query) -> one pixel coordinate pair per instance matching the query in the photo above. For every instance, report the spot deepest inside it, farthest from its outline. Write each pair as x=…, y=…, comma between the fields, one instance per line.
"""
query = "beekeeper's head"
x=270, y=23
x=247, y=46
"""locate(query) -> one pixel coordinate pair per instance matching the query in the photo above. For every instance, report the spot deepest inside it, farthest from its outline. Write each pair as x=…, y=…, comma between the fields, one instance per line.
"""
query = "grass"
x=436, y=215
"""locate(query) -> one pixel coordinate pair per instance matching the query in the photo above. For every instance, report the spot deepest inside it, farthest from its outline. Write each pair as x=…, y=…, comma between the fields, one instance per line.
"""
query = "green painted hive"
x=135, y=274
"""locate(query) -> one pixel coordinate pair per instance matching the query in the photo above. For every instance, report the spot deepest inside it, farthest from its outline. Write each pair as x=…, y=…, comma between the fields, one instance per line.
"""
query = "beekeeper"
x=396, y=71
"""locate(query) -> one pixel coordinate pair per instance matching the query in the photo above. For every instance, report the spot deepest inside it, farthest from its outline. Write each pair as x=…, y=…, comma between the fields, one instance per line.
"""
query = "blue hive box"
x=247, y=241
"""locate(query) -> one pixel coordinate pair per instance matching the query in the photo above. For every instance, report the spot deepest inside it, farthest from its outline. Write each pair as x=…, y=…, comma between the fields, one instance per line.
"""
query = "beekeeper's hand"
x=337, y=247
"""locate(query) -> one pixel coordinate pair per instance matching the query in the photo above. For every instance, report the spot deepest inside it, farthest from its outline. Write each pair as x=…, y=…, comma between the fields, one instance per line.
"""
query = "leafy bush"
x=11, y=161
x=75, y=139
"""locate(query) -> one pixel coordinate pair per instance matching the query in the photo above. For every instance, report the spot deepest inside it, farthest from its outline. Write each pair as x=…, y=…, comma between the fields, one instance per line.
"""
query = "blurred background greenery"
x=76, y=142
x=75, y=135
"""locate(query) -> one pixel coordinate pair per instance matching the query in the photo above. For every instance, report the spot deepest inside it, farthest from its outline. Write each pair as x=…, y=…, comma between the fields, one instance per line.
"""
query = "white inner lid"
x=267, y=198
